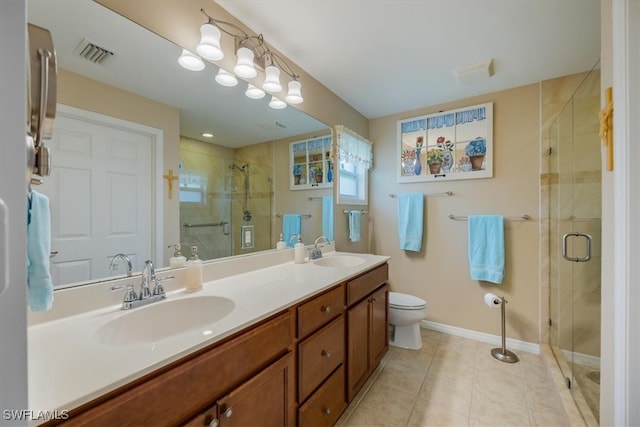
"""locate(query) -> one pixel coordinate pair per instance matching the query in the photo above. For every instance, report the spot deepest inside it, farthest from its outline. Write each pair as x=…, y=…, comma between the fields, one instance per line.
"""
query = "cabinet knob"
x=326, y=309
x=373, y=300
x=326, y=354
x=214, y=423
x=228, y=412
x=326, y=411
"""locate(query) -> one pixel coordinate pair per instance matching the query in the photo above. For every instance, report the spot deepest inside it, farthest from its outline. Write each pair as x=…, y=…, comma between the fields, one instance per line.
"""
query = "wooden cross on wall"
x=170, y=177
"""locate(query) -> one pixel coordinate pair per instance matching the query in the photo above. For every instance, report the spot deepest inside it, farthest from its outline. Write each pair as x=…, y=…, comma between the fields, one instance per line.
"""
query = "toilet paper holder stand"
x=501, y=353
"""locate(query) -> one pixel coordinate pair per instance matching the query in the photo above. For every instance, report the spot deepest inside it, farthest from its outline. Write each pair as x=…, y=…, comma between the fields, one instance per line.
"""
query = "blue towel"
x=410, y=221
x=327, y=217
x=354, y=226
x=39, y=283
x=290, y=226
x=486, y=247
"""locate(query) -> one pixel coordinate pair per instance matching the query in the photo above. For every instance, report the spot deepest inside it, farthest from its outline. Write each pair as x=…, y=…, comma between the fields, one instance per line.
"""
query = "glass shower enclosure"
x=575, y=245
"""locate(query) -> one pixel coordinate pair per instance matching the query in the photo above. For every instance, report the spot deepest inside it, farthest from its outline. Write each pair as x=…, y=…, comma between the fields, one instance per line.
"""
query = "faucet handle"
x=130, y=294
x=158, y=289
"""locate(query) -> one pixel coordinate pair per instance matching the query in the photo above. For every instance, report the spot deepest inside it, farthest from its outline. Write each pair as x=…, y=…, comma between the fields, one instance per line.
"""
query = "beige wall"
x=440, y=272
x=81, y=92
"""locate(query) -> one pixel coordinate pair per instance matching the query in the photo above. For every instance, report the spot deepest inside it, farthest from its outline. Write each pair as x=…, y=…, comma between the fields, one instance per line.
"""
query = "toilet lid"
x=405, y=301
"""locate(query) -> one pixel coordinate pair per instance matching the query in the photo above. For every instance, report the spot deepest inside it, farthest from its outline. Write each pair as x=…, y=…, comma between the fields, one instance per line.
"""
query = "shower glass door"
x=575, y=229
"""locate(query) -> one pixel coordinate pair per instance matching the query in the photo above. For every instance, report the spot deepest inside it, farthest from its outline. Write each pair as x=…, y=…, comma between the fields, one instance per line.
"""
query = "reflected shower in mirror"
x=142, y=86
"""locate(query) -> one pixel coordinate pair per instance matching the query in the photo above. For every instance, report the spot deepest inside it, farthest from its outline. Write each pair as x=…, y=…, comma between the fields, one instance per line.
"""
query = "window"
x=355, y=156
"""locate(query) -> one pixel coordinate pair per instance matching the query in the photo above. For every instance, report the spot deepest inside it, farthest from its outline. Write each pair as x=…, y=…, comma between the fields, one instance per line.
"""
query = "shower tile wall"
x=259, y=157
x=582, y=199
x=211, y=162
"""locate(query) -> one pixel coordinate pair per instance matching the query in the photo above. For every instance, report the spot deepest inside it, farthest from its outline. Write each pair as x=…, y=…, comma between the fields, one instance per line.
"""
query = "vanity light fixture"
x=277, y=104
x=254, y=92
x=209, y=46
x=191, y=61
x=225, y=78
x=252, y=52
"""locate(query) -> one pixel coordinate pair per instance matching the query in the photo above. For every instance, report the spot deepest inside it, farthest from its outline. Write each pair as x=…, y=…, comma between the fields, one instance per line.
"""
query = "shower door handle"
x=588, y=239
x=4, y=241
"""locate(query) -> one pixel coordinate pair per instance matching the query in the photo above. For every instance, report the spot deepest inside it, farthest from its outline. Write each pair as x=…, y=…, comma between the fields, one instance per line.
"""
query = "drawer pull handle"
x=326, y=309
x=327, y=411
x=228, y=412
x=326, y=354
x=214, y=423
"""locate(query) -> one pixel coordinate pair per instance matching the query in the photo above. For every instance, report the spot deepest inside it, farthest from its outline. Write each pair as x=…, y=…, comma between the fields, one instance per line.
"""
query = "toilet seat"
x=401, y=301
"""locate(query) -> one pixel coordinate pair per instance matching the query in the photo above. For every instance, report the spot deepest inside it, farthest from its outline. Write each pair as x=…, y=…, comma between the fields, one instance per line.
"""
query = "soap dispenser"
x=177, y=260
x=194, y=272
x=280, y=244
x=298, y=251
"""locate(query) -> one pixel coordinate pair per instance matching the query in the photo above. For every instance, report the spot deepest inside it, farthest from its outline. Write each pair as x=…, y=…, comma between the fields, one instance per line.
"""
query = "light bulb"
x=294, y=96
x=272, y=80
x=225, y=78
x=209, y=46
x=277, y=104
x=190, y=61
x=244, y=67
x=254, y=92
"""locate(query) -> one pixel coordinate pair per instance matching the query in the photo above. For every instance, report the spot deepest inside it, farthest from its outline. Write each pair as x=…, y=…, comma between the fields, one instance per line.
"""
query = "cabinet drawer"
x=362, y=286
x=326, y=405
x=179, y=392
x=320, y=311
x=318, y=356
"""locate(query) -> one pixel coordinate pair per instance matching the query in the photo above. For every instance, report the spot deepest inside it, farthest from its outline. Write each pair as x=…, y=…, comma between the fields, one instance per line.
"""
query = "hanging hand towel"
x=290, y=226
x=486, y=247
x=327, y=217
x=39, y=283
x=354, y=226
x=410, y=221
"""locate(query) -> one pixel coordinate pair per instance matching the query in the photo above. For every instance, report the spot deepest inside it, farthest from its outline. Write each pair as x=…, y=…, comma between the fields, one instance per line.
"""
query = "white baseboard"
x=592, y=362
x=481, y=336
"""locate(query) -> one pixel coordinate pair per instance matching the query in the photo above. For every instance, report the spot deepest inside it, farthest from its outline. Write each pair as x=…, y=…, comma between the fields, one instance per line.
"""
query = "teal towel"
x=39, y=283
x=290, y=226
x=486, y=247
x=354, y=226
x=327, y=217
x=410, y=221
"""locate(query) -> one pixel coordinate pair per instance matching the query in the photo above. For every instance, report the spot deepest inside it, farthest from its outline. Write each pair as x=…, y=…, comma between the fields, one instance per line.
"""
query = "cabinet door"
x=358, y=347
x=379, y=325
x=267, y=399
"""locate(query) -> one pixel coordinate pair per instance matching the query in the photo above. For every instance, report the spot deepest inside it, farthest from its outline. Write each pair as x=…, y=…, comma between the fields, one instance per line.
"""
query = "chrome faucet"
x=145, y=296
x=125, y=258
x=316, y=252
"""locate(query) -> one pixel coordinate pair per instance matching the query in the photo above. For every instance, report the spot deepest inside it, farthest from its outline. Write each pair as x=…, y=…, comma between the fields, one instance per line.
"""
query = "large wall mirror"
x=153, y=113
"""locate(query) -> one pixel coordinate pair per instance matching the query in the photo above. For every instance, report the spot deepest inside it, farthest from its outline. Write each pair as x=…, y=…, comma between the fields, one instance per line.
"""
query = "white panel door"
x=101, y=197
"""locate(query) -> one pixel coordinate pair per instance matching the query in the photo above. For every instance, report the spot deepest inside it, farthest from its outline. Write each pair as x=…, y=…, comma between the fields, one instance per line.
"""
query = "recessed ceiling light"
x=207, y=135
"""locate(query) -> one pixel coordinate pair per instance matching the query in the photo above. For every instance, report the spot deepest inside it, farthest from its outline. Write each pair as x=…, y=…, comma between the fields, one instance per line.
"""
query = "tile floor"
x=454, y=381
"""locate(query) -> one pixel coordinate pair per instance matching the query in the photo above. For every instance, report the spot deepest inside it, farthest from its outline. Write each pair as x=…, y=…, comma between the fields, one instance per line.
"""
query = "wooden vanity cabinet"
x=250, y=367
x=367, y=326
x=321, y=357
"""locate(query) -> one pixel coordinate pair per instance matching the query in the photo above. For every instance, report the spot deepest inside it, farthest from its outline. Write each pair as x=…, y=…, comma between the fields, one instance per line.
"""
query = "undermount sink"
x=162, y=320
x=339, y=261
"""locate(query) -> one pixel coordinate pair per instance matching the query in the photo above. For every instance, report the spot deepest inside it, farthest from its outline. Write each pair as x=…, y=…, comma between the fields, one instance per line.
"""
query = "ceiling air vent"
x=92, y=52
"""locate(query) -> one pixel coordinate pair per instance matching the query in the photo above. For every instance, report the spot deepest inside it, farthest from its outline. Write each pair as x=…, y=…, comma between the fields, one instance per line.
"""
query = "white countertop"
x=68, y=367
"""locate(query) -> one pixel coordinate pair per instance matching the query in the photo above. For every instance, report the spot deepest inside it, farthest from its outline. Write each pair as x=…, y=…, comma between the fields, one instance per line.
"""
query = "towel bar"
x=524, y=217
x=344, y=211
x=208, y=224
x=301, y=216
x=445, y=193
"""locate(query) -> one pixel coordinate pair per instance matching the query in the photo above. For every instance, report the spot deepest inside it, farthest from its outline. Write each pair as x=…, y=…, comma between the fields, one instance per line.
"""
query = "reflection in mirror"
x=238, y=177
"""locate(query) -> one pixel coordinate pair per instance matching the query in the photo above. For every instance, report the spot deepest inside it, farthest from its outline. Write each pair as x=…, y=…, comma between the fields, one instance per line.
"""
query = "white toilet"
x=405, y=314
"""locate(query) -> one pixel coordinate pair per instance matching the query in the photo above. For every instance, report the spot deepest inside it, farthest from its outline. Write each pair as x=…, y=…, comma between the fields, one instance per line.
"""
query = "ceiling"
x=390, y=56
x=381, y=56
